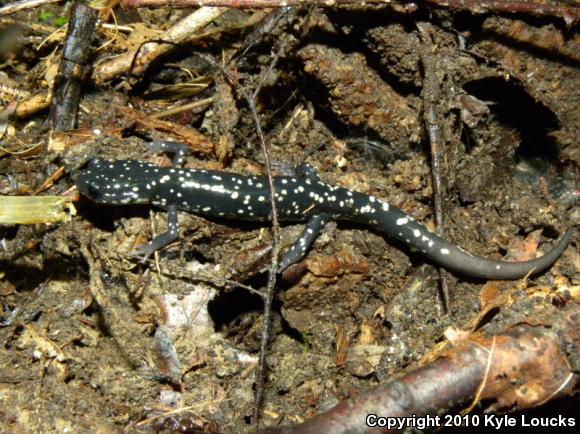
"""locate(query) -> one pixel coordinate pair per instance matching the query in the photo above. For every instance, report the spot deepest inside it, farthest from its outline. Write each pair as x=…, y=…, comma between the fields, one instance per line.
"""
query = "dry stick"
x=23, y=5
x=524, y=355
x=73, y=67
x=178, y=109
x=568, y=12
x=240, y=3
x=431, y=94
x=269, y=293
x=177, y=34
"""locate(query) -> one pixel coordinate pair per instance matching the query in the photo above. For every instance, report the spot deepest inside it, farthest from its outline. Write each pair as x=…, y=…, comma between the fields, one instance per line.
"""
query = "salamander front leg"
x=302, y=244
x=305, y=170
x=179, y=150
x=163, y=239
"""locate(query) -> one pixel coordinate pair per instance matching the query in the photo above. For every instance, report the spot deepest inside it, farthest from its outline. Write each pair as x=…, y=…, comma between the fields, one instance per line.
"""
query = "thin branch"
x=529, y=364
x=178, y=33
x=431, y=95
x=272, y=272
x=570, y=13
x=23, y=5
x=254, y=4
x=269, y=293
x=73, y=67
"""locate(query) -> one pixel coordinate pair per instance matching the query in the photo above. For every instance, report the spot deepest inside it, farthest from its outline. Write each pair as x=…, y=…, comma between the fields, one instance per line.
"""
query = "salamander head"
x=113, y=182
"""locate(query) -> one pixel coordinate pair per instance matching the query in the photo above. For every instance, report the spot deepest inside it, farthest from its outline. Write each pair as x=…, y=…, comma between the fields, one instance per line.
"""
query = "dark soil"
x=93, y=341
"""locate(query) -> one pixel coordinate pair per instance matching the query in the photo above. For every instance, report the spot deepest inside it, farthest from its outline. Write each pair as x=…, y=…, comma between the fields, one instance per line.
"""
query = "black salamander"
x=300, y=198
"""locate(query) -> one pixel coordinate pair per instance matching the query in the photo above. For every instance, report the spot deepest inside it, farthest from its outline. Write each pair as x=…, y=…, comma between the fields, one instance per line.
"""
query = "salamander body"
x=300, y=198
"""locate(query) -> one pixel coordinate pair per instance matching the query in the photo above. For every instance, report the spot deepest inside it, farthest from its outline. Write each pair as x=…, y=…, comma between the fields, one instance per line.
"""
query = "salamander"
x=302, y=197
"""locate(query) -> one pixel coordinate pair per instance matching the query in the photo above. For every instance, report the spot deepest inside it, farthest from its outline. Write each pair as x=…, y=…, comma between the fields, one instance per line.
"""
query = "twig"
x=239, y=3
x=23, y=5
x=269, y=293
x=196, y=141
x=272, y=272
x=73, y=67
x=268, y=296
x=431, y=95
x=177, y=34
x=213, y=281
x=568, y=12
x=175, y=110
x=529, y=363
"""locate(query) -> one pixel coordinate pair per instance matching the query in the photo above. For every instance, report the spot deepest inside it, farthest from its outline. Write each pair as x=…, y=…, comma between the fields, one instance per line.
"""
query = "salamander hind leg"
x=302, y=244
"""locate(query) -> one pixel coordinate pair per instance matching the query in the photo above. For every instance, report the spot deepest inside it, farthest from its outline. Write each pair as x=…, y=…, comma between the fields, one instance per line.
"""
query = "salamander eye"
x=93, y=192
x=95, y=163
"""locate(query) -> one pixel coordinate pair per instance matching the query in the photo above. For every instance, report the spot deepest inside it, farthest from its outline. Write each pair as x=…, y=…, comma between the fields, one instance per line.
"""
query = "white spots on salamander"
x=247, y=197
x=402, y=221
x=191, y=184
